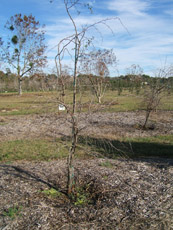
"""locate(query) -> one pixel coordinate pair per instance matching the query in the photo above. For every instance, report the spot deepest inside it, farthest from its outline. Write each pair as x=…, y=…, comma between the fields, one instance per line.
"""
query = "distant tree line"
x=50, y=82
x=132, y=83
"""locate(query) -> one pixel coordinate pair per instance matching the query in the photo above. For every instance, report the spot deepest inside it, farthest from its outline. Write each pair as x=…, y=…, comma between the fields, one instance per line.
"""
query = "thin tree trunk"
x=71, y=173
x=71, y=178
x=99, y=99
x=19, y=86
x=146, y=119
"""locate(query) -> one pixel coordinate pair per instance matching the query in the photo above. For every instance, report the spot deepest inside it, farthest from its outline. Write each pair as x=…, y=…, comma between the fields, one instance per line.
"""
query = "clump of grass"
x=12, y=212
x=51, y=192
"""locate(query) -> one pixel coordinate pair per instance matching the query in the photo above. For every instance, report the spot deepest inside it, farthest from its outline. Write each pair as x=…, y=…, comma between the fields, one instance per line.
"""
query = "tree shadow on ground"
x=26, y=175
x=139, y=151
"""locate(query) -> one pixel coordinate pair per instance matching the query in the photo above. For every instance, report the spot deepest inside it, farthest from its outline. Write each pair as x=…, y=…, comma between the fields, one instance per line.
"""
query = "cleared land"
x=124, y=173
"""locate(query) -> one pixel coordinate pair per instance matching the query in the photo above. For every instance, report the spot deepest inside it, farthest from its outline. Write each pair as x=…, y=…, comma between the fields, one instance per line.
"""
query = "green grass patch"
x=167, y=102
x=47, y=102
x=124, y=102
x=28, y=103
x=47, y=150
x=38, y=150
x=32, y=150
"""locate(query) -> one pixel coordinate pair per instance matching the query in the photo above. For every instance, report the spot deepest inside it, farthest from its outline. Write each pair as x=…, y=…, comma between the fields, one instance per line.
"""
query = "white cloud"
x=135, y=7
x=149, y=42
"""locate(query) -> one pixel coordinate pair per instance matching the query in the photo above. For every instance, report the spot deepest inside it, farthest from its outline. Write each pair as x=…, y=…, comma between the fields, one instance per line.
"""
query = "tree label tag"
x=61, y=107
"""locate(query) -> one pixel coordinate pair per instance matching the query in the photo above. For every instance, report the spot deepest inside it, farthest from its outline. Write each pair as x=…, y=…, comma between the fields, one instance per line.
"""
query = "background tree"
x=152, y=98
x=134, y=71
x=134, y=75
x=154, y=92
x=25, y=48
x=95, y=65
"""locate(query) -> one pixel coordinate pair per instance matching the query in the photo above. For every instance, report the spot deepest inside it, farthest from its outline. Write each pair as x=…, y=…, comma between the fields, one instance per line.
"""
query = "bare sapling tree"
x=134, y=73
x=95, y=64
x=25, y=48
x=74, y=46
x=154, y=93
x=63, y=47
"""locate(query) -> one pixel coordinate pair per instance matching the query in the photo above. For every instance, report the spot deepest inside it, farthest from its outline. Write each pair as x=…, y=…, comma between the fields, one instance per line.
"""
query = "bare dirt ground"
x=124, y=194
x=129, y=195
x=98, y=124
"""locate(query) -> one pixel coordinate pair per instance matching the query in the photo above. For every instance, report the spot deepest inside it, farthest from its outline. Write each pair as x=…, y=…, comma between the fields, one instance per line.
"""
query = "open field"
x=47, y=102
x=123, y=173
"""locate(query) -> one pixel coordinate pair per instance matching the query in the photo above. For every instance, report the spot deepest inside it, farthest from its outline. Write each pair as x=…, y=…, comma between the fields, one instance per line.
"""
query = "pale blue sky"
x=149, y=42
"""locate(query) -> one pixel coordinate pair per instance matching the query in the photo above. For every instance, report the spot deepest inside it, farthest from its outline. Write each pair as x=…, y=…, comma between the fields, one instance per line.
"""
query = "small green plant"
x=106, y=164
x=81, y=199
x=81, y=196
x=105, y=177
x=12, y=212
x=52, y=192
